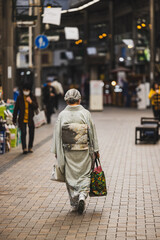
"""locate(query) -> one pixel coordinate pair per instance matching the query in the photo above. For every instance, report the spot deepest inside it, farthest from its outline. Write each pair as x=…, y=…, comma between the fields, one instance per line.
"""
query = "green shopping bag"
x=98, y=181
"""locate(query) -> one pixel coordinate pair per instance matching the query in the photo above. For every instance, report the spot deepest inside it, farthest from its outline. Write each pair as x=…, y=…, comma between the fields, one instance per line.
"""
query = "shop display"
x=2, y=142
x=9, y=133
x=8, y=141
x=2, y=109
x=2, y=135
x=10, y=107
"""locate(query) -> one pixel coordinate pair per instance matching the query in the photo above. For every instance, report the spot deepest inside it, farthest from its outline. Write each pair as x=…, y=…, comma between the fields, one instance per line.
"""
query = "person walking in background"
x=26, y=105
x=48, y=92
x=154, y=96
x=125, y=93
x=15, y=93
x=74, y=145
x=59, y=91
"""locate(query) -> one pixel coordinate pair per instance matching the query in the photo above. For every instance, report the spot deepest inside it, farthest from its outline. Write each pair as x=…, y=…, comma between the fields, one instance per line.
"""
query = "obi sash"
x=75, y=136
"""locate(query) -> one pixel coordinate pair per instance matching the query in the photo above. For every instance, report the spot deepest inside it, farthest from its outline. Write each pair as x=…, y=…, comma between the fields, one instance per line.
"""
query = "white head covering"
x=72, y=94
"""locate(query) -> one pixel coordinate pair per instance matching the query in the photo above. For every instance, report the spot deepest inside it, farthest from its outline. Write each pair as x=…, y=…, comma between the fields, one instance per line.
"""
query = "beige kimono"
x=74, y=141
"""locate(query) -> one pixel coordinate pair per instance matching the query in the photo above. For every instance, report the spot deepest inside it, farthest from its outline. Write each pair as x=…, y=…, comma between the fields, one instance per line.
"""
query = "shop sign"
x=41, y=42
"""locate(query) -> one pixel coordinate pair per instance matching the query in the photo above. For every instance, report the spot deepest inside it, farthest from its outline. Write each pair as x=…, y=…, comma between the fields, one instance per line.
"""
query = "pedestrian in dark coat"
x=25, y=107
x=58, y=90
x=49, y=99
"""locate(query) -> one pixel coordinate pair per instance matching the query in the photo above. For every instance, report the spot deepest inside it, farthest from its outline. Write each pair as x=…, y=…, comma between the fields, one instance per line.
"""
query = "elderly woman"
x=75, y=144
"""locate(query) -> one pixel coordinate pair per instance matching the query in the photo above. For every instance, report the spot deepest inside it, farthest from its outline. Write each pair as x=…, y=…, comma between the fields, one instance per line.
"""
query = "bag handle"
x=37, y=111
x=96, y=162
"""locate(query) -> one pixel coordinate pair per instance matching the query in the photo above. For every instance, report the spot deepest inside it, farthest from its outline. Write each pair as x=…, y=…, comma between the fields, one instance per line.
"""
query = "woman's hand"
x=97, y=155
x=28, y=99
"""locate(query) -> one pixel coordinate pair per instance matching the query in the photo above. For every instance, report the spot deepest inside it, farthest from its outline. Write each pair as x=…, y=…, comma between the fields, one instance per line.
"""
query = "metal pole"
x=134, y=36
x=30, y=37
x=85, y=41
x=37, y=55
x=8, y=55
x=1, y=49
x=111, y=34
x=152, y=40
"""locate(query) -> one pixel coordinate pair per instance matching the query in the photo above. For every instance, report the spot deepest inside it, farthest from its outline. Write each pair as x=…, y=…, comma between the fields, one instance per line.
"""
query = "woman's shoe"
x=81, y=206
x=30, y=150
x=81, y=203
x=25, y=151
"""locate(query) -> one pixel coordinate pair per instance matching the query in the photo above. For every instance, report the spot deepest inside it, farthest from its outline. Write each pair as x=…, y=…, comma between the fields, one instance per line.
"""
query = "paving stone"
x=33, y=207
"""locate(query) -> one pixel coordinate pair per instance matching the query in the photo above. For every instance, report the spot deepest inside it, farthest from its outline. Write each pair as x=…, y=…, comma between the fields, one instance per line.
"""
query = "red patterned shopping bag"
x=98, y=181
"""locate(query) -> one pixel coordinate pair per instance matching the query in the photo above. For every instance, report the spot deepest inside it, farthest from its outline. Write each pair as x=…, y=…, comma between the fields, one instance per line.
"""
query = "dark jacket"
x=47, y=99
x=20, y=107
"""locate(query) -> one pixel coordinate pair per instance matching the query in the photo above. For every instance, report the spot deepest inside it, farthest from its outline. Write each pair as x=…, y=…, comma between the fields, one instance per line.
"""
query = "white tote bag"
x=39, y=119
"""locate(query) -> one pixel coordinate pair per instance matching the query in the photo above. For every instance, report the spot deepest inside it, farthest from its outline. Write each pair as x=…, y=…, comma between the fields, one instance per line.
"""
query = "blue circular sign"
x=41, y=41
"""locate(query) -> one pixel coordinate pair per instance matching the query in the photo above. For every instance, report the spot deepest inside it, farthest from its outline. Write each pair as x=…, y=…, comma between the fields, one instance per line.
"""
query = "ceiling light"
x=139, y=27
x=113, y=83
x=121, y=59
x=143, y=25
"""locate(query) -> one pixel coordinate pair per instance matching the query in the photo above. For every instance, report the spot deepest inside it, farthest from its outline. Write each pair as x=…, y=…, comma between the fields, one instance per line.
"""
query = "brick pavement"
x=33, y=207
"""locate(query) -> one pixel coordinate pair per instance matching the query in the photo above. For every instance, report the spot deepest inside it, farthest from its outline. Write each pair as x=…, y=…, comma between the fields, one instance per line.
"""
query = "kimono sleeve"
x=94, y=134
x=57, y=147
x=53, y=145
